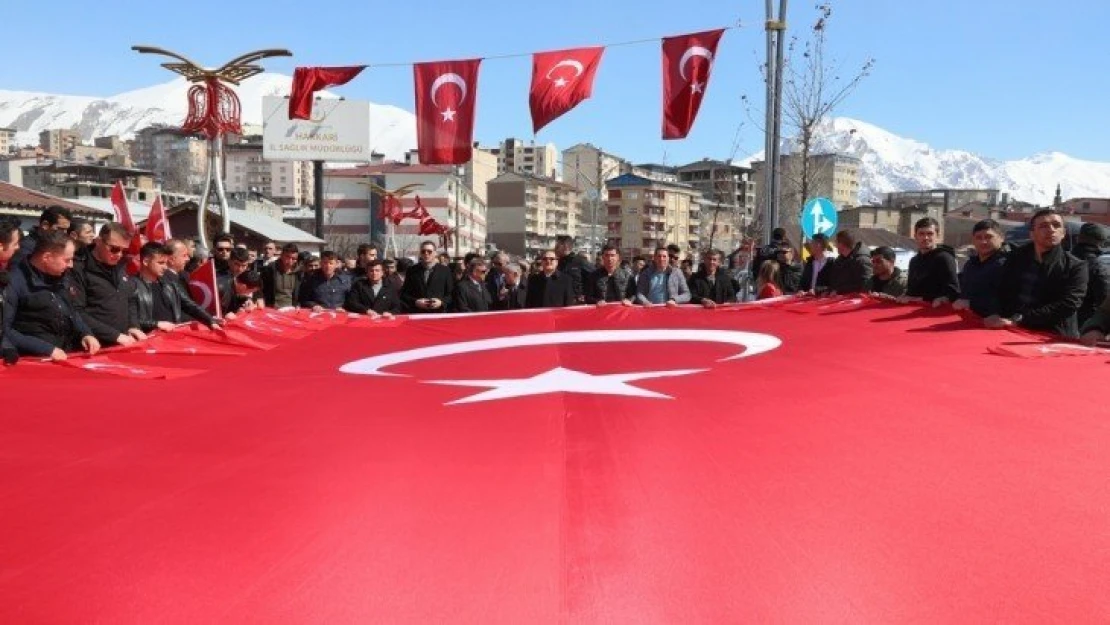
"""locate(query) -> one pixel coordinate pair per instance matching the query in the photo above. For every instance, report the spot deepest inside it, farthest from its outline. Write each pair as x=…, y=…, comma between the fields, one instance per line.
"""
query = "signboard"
x=819, y=217
x=338, y=131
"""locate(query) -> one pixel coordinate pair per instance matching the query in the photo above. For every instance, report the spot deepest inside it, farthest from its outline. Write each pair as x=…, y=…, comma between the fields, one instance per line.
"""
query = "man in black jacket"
x=550, y=288
x=39, y=316
x=933, y=277
x=790, y=273
x=372, y=294
x=156, y=303
x=981, y=273
x=1088, y=248
x=471, y=293
x=611, y=283
x=428, y=284
x=51, y=219
x=102, y=290
x=711, y=284
x=1042, y=286
x=572, y=265
x=850, y=272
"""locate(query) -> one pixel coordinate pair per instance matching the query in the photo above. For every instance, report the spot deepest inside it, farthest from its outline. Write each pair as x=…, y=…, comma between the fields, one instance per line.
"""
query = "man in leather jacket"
x=157, y=301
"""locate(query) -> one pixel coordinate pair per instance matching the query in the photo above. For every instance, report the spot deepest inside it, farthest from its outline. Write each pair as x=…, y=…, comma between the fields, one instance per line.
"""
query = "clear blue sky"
x=1003, y=78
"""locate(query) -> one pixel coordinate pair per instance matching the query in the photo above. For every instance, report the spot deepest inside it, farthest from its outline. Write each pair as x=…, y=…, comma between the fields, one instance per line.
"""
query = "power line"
x=516, y=55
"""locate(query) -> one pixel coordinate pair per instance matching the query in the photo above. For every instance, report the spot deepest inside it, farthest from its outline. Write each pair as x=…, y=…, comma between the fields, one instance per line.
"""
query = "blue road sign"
x=819, y=217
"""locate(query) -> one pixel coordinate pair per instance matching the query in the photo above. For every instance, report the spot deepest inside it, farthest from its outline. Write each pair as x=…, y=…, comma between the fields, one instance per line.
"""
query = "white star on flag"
x=561, y=380
x=560, y=82
x=696, y=87
x=449, y=115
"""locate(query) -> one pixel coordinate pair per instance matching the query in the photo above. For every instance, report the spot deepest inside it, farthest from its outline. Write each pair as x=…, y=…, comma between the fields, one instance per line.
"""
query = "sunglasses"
x=223, y=249
x=427, y=251
x=115, y=249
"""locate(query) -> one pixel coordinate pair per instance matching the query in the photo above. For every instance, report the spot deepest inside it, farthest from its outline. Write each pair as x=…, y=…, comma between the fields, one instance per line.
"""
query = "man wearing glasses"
x=471, y=294
x=428, y=284
x=101, y=290
x=550, y=288
x=224, y=243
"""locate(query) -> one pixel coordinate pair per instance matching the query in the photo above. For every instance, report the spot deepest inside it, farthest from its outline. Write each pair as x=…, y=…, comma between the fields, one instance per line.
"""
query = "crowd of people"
x=67, y=288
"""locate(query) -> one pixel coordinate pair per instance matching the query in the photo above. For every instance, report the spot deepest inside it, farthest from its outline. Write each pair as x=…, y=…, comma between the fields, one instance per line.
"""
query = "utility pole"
x=776, y=31
x=597, y=204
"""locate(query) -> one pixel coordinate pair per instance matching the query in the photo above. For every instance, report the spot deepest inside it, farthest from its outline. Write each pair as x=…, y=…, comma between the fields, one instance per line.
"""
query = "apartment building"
x=834, y=176
x=284, y=182
x=527, y=212
x=7, y=141
x=643, y=213
x=58, y=141
x=526, y=158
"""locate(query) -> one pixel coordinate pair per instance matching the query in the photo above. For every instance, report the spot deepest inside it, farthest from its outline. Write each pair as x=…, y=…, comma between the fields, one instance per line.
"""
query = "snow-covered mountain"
x=893, y=163
x=392, y=130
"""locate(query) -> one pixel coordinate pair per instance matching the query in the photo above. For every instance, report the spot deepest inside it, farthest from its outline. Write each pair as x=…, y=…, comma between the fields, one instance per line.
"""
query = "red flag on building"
x=561, y=79
x=122, y=211
x=308, y=80
x=445, y=95
x=203, y=288
x=157, y=225
x=687, y=60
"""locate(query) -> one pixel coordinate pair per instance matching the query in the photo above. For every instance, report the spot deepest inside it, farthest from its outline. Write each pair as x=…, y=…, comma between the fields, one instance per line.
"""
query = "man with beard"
x=102, y=289
x=1041, y=286
x=281, y=279
x=712, y=285
x=39, y=318
x=428, y=284
x=83, y=235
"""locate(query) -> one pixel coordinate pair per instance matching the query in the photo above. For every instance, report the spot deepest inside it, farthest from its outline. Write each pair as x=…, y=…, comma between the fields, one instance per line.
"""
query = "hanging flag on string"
x=687, y=61
x=561, y=79
x=446, y=92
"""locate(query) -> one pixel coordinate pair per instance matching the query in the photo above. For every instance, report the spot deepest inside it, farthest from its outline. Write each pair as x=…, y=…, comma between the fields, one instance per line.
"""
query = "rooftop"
x=392, y=167
x=632, y=180
x=261, y=224
x=544, y=180
x=12, y=196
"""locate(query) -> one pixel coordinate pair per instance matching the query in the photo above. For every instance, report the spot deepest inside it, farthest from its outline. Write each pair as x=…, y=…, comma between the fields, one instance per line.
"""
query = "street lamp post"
x=214, y=110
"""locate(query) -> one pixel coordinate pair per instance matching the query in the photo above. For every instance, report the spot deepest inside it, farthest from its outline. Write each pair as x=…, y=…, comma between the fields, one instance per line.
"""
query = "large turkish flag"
x=687, y=61
x=833, y=461
x=446, y=92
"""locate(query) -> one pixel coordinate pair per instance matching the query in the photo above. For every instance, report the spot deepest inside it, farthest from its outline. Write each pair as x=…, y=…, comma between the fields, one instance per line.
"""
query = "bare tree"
x=813, y=87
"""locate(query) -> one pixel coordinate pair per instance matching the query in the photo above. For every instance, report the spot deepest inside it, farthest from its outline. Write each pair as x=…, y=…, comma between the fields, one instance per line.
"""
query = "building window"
x=633, y=195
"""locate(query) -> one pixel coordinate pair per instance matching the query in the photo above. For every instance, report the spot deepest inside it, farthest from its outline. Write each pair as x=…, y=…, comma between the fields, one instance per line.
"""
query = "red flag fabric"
x=103, y=364
x=446, y=92
x=121, y=209
x=157, y=225
x=308, y=80
x=582, y=465
x=204, y=289
x=561, y=79
x=687, y=61
x=418, y=212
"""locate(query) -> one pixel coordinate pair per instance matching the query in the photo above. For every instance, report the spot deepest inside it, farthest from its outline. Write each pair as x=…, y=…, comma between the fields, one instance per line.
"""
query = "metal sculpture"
x=214, y=111
x=390, y=211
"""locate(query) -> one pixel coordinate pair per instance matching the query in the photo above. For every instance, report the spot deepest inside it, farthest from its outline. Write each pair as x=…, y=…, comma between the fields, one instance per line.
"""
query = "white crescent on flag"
x=444, y=79
x=690, y=53
x=206, y=290
x=578, y=67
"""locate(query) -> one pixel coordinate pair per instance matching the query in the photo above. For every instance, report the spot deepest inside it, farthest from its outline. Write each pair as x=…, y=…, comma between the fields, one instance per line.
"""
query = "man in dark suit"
x=372, y=295
x=428, y=284
x=471, y=294
x=550, y=288
x=512, y=293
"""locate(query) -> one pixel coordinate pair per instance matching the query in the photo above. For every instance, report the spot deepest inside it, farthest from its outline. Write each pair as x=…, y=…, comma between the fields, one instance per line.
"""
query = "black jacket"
x=471, y=297
x=933, y=275
x=141, y=311
x=102, y=296
x=39, y=314
x=1098, y=281
x=513, y=300
x=578, y=270
x=439, y=286
x=555, y=291
x=361, y=298
x=979, y=283
x=27, y=246
x=268, y=274
x=1057, y=295
x=790, y=278
x=851, y=273
x=722, y=290
x=822, y=283
x=597, y=284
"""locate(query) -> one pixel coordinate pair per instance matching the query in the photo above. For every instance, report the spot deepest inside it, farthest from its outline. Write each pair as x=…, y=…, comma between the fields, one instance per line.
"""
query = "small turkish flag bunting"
x=687, y=61
x=561, y=79
x=445, y=95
